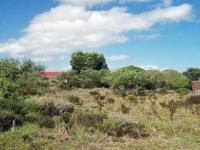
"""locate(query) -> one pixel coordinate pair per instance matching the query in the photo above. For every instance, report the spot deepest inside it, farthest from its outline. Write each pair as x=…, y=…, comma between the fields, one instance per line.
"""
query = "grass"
x=183, y=132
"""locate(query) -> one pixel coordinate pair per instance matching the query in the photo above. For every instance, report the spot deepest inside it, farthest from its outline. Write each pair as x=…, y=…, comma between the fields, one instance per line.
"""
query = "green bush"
x=69, y=80
x=94, y=78
x=31, y=106
x=66, y=117
x=33, y=117
x=118, y=128
x=20, y=76
x=126, y=81
x=7, y=118
x=48, y=108
x=15, y=105
x=88, y=118
x=47, y=122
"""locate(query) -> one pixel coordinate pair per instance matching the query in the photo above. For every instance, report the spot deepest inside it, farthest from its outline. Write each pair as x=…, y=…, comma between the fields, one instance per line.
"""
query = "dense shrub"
x=48, y=109
x=46, y=122
x=129, y=80
x=89, y=118
x=14, y=105
x=93, y=78
x=85, y=79
x=31, y=106
x=22, y=77
x=157, y=78
x=7, y=118
x=66, y=117
x=69, y=80
x=33, y=117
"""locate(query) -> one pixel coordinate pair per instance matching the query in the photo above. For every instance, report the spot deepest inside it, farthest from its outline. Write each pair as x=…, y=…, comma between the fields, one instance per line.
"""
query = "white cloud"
x=147, y=37
x=167, y=2
x=117, y=57
x=62, y=57
x=70, y=27
x=153, y=67
x=93, y=2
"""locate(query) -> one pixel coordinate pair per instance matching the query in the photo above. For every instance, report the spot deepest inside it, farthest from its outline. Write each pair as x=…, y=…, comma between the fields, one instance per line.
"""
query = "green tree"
x=23, y=74
x=192, y=73
x=157, y=78
x=175, y=80
x=83, y=61
x=129, y=79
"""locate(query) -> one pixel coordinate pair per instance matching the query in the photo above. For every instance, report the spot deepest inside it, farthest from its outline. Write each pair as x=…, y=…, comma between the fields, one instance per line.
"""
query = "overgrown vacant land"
x=91, y=107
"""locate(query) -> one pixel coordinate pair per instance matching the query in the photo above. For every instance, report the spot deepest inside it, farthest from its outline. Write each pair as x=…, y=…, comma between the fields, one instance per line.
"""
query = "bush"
x=47, y=122
x=7, y=118
x=99, y=99
x=74, y=99
x=48, y=108
x=129, y=80
x=118, y=128
x=23, y=76
x=31, y=106
x=175, y=80
x=15, y=105
x=33, y=117
x=69, y=80
x=66, y=117
x=93, y=78
x=89, y=119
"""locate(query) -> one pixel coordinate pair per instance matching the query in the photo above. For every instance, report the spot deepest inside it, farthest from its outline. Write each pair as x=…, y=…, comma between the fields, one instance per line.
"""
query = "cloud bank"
x=72, y=26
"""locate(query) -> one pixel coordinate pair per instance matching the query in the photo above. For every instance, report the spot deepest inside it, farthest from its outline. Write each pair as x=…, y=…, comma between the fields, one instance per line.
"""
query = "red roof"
x=50, y=74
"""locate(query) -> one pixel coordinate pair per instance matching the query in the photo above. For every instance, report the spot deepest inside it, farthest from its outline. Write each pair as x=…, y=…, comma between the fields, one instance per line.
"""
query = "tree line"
x=90, y=70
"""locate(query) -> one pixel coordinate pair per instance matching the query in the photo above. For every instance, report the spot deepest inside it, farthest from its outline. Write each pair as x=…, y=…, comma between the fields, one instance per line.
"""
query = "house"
x=196, y=85
x=50, y=75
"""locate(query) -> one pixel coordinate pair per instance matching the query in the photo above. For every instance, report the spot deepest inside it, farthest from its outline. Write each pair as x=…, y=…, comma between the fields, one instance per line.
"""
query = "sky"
x=152, y=34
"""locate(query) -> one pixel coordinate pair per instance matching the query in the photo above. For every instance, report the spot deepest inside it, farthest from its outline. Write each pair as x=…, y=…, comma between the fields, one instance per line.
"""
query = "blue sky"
x=155, y=34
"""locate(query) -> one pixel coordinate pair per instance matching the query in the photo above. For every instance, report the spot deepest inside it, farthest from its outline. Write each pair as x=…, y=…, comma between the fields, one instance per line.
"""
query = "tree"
x=83, y=61
x=175, y=80
x=24, y=74
x=157, y=78
x=129, y=79
x=192, y=73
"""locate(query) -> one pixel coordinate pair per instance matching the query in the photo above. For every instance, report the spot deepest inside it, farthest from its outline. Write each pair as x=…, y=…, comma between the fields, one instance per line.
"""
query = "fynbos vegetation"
x=91, y=107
